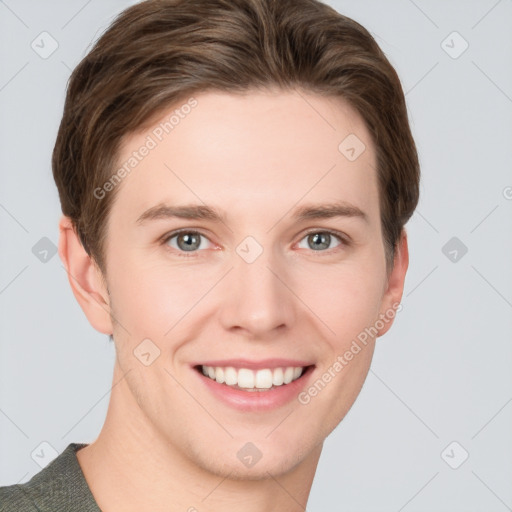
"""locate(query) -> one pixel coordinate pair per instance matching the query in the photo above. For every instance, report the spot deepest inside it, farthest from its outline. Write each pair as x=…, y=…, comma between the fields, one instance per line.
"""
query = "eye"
x=321, y=240
x=187, y=241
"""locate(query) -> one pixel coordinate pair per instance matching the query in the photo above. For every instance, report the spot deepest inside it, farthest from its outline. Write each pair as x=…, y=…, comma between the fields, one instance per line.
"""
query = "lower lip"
x=257, y=400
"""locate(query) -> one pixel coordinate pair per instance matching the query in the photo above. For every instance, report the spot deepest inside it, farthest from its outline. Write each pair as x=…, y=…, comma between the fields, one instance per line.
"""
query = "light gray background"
x=442, y=374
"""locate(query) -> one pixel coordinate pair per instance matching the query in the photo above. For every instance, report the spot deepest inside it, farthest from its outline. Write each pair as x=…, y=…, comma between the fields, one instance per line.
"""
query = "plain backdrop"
x=431, y=429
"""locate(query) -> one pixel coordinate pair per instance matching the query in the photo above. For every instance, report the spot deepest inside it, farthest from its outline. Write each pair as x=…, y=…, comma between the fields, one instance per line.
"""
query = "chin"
x=268, y=460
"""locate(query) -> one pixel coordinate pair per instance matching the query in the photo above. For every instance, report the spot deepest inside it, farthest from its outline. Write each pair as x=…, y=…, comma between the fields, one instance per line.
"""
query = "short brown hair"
x=158, y=52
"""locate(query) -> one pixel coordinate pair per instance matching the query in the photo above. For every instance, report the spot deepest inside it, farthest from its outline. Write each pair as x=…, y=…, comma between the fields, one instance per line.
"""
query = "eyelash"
x=342, y=238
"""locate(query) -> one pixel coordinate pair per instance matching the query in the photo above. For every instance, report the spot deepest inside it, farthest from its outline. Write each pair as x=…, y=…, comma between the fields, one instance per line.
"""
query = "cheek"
x=346, y=299
x=152, y=298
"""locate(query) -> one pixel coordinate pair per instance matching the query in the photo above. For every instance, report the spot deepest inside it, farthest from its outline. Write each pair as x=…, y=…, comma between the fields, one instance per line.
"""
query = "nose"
x=256, y=300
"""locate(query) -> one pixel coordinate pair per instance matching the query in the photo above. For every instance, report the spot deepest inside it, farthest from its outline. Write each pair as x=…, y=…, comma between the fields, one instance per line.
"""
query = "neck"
x=131, y=466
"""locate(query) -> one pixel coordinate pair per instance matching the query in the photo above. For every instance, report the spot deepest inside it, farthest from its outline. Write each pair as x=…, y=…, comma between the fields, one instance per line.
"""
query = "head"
x=276, y=134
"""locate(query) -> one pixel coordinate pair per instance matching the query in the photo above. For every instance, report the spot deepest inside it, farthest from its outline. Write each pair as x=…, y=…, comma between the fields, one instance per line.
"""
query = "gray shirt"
x=59, y=487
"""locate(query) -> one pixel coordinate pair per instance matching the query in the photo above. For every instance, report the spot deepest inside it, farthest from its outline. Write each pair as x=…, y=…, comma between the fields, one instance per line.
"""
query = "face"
x=245, y=245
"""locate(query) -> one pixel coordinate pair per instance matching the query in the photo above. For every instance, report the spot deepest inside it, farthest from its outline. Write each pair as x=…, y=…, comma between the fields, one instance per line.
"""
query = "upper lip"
x=255, y=365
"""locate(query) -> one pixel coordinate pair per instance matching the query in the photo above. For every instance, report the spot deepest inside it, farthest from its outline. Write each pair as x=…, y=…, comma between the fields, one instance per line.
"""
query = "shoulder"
x=55, y=488
x=13, y=497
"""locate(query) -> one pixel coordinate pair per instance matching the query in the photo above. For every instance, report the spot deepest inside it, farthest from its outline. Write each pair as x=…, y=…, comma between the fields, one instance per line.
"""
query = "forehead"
x=249, y=154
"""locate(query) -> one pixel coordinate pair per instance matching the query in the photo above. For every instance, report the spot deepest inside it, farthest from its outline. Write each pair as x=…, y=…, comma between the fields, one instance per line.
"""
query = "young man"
x=235, y=177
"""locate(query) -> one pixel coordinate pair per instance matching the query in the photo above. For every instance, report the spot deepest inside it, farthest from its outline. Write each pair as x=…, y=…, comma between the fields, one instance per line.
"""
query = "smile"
x=255, y=386
x=253, y=380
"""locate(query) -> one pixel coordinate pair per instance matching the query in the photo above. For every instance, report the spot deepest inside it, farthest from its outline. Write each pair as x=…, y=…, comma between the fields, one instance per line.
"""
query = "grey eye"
x=187, y=241
x=319, y=240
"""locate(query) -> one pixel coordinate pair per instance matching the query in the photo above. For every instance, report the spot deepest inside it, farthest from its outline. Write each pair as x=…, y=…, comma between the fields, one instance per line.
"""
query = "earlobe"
x=395, y=285
x=85, y=278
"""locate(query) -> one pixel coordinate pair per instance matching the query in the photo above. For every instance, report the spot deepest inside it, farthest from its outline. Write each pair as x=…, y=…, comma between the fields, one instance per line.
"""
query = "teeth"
x=230, y=376
x=253, y=380
x=278, y=377
x=263, y=379
x=245, y=378
x=219, y=375
x=288, y=375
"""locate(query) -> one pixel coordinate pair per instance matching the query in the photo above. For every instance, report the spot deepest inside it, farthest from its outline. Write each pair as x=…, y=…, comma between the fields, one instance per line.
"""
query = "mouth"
x=247, y=379
x=255, y=387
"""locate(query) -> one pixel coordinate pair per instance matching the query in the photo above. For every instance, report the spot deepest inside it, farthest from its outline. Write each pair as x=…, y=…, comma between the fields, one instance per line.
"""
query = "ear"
x=85, y=278
x=395, y=285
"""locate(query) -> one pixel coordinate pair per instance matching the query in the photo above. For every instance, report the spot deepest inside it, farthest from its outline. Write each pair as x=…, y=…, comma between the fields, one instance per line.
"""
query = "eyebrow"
x=205, y=212
x=193, y=212
x=329, y=210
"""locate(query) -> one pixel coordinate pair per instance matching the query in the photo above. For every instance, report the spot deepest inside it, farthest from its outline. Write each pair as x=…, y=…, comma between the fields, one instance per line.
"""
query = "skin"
x=254, y=157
